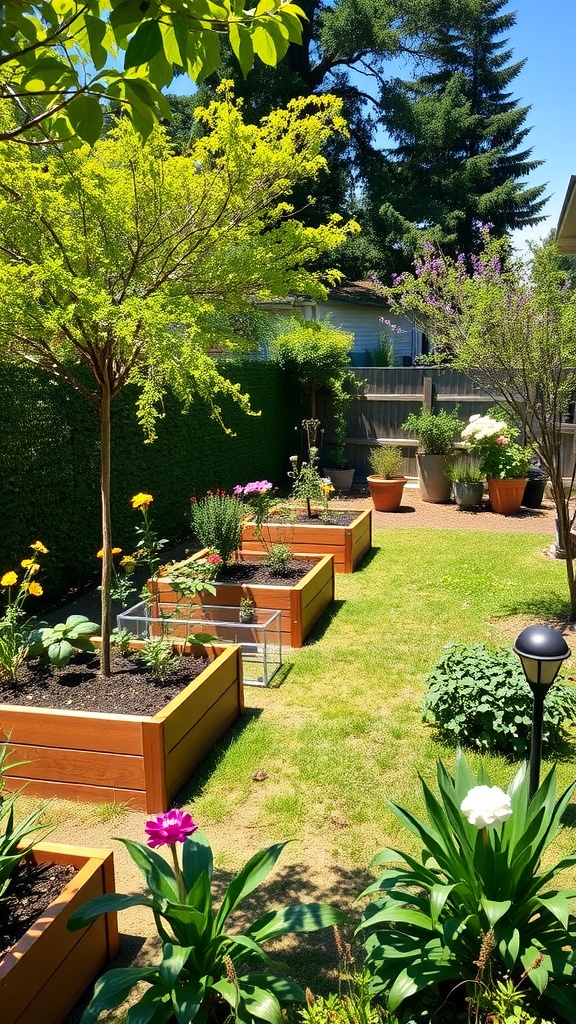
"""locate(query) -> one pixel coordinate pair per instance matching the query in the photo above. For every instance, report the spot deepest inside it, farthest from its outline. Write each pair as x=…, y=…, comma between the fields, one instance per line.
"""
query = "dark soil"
x=258, y=572
x=130, y=690
x=301, y=517
x=32, y=888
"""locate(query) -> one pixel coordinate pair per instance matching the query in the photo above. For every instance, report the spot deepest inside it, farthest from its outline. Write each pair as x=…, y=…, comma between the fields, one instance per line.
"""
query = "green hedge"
x=49, y=463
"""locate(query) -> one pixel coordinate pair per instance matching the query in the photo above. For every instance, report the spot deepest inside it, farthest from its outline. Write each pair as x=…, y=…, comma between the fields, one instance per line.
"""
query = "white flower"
x=486, y=806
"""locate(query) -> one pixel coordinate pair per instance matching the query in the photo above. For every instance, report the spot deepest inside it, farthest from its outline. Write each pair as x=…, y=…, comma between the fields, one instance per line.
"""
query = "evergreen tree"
x=460, y=158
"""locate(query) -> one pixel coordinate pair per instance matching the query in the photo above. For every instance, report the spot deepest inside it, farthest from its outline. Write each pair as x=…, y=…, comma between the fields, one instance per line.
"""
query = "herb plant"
x=478, y=697
x=464, y=473
x=158, y=656
x=202, y=965
x=217, y=522
x=435, y=432
x=476, y=908
x=386, y=461
x=279, y=558
x=61, y=642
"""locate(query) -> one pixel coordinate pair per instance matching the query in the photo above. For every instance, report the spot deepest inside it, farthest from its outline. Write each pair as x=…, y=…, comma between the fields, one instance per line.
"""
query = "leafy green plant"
x=158, y=656
x=247, y=612
x=193, y=577
x=14, y=627
x=279, y=558
x=493, y=442
x=352, y=1003
x=201, y=965
x=435, y=432
x=61, y=642
x=217, y=522
x=121, y=639
x=478, y=697
x=464, y=473
x=307, y=484
x=15, y=837
x=386, y=461
x=477, y=904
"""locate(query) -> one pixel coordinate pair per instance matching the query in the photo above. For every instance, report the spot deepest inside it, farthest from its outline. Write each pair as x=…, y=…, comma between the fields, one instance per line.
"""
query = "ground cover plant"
x=318, y=757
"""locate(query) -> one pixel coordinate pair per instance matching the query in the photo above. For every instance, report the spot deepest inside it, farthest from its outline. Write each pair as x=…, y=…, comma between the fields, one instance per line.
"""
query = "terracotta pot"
x=341, y=479
x=386, y=494
x=434, y=484
x=506, y=495
x=467, y=494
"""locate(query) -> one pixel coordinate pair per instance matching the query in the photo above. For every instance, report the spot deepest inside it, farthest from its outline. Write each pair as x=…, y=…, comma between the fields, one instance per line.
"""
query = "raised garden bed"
x=143, y=759
x=348, y=542
x=301, y=603
x=45, y=973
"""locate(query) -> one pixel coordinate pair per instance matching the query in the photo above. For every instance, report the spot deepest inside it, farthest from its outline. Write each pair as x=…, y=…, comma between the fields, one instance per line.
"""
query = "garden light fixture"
x=541, y=650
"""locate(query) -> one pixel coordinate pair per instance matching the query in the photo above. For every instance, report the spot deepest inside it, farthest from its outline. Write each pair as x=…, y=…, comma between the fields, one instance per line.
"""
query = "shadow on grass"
x=194, y=788
x=367, y=558
x=324, y=623
x=279, y=677
x=563, y=750
x=543, y=607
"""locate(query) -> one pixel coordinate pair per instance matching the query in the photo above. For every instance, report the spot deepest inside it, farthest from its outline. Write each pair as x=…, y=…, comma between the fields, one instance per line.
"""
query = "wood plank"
x=190, y=706
x=316, y=608
x=76, y=730
x=93, y=794
x=193, y=748
x=155, y=768
x=57, y=764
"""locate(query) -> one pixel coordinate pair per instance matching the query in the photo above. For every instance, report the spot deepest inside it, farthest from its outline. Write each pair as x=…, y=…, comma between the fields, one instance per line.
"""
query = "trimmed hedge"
x=49, y=463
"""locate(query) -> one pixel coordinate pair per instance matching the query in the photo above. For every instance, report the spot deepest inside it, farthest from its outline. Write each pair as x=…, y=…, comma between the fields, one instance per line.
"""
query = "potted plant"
x=536, y=485
x=435, y=433
x=502, y=459
x=386, y=483
x=467, y=484
x=339, y=474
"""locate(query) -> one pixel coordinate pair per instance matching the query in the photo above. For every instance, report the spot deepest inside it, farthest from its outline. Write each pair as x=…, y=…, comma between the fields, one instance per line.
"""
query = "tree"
x=459, y=159
x=513, y=329
x=315, y=352
x=57, y=57
x=120, y=258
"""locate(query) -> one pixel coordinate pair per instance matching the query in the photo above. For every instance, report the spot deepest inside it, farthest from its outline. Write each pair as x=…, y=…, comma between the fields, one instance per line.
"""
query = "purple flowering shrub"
x=202, y=974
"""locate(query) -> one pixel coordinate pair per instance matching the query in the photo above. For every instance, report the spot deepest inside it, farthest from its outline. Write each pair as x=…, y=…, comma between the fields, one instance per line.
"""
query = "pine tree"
x=460, y=159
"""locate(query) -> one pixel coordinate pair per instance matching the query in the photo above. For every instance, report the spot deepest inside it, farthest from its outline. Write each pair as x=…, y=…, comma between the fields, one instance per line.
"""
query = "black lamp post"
x=541, y=650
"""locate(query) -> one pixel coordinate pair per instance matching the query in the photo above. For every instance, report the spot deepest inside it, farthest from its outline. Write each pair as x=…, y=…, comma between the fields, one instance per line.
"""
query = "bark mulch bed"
x=32, y=888
x=130, y=690
x=258, y=572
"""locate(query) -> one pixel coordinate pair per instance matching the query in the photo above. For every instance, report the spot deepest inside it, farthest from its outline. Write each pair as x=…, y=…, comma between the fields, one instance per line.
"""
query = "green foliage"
x=158, y=656
x=318, y=355
x=16, y=837
x=352, y=1004
x=217, y=523
x=477, y=905
x=435, y=432
x=201, y=961
x=279, y=559
x=385, y=460
x=66, y=53
x=478, y=697
x=14, y=627
x=307, y=484
x=464, y=473
x=61, y=642
x=121, y=639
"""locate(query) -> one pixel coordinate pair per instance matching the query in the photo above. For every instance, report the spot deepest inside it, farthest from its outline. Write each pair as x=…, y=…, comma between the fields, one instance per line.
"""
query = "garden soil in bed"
x=250, y=573
x=298, y=517
x=130, y=690
x=32, y=888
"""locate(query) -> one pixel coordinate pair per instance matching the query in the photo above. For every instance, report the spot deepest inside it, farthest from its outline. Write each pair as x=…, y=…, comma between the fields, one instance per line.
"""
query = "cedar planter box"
x=348, y=544
x=46, y=972
x=301, y=604
x=143, y=759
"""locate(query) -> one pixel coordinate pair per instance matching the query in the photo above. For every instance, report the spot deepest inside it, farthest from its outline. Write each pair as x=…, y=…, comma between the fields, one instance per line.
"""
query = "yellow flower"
x=25, y=587
x=30, y=564
x=8, y=579
x=35, y=589
x=115, y=551
x=327, y=488
x=141, y=500
x=128, y=563
x=39, y=546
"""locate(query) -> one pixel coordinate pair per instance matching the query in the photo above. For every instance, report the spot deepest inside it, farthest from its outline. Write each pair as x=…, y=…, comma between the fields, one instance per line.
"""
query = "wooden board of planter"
x=301, y=604
x=143, y=759
x=348, y=544
x=49, y=968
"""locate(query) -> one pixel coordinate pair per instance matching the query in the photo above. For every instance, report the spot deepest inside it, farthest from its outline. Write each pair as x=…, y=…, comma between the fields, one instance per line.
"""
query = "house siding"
x=363, y=321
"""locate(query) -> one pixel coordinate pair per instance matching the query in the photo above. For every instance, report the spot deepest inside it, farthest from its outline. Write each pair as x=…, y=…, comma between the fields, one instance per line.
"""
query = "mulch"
x=32, y=888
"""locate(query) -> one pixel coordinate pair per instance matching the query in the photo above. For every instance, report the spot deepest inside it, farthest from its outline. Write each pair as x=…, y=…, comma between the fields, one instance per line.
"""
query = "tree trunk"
x=563, y=513
x=106, y=604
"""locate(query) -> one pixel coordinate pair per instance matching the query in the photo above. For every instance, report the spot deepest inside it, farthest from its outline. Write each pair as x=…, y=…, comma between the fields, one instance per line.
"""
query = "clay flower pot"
x=506, y=495
x=386, y=493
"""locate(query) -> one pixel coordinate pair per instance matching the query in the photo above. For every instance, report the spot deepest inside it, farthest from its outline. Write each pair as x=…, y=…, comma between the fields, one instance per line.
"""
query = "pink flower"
x=167, y=829
x=501, y=440
x=214, y=559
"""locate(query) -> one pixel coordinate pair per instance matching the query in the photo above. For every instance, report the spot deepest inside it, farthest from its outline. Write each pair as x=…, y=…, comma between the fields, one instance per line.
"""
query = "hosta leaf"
x=495, y=909
x=285, y=990
x=558, y=906
x=158, y=873
x=187, y=999
x=260, y=1003
x=173, y=960
x=398, y=915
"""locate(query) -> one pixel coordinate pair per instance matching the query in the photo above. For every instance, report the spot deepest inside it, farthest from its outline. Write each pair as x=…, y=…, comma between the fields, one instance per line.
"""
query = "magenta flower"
x=214, y=559
x=167, y=829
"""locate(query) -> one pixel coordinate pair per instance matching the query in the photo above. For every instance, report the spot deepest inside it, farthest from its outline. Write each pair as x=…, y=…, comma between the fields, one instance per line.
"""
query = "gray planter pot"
x=341, y=479
x=468, y=495
x=434, y=484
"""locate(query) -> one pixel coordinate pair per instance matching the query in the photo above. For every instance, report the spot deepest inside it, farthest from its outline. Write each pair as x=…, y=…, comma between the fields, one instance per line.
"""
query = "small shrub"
x=464, y=473
x=385, y=461
x=435, y=432
x=279, y=558
x=217, y=522
x=478, y=697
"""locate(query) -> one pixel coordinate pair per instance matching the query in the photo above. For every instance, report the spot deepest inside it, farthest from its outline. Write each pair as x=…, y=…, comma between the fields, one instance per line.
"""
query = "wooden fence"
x=385, y=397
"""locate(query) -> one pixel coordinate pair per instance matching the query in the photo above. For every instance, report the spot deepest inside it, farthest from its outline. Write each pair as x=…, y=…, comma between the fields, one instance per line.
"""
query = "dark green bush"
x=478, y=697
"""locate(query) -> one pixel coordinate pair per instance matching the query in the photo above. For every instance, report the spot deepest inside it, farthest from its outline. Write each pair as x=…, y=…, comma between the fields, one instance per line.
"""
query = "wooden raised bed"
x=46, y=972
x=144, y=759
x=348, y=544
x=301, y=604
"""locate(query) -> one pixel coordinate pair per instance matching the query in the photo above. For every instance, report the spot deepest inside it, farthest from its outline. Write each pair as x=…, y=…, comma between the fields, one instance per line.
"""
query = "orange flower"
x=35, y=589
x=39, y=546
x=8, y=579
x=141, y=500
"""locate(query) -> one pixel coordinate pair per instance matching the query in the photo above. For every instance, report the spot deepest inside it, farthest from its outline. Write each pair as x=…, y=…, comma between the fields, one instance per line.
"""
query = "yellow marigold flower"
x=35, y=589
x=100, y=554
x=128, y=563
x=8, y=579
x=141, y=500
x=39, y=546
x=30, y=564
x=115, y=551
